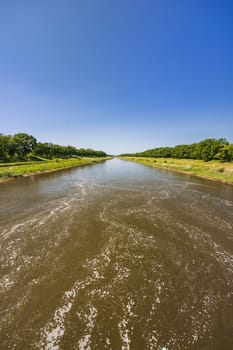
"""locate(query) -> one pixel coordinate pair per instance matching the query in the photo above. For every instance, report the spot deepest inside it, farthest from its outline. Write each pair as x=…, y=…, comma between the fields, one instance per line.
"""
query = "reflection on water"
x=116, y=256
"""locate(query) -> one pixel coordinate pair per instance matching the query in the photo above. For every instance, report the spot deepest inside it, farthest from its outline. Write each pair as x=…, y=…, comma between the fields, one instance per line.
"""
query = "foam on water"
x=52, y=333
x=55, y=329
x=85, y=342
x=123, y=325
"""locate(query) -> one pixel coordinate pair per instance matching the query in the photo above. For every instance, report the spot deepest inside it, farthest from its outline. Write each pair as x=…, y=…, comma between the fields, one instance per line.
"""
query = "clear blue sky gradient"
x=121, y=76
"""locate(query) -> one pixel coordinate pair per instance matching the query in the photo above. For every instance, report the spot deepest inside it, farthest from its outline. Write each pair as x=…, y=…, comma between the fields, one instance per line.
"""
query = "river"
x=116, y=256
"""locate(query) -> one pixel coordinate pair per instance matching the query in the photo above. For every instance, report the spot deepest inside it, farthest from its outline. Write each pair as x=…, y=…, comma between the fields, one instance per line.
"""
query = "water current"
x=116, y=256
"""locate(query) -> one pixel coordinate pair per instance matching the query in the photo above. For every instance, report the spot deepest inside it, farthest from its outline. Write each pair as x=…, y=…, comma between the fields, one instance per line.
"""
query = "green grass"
x=11, y=170
x=214, y=170
x=6, y=165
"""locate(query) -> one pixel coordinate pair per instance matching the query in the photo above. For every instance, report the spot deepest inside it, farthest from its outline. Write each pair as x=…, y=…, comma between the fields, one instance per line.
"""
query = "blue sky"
x=121, y=76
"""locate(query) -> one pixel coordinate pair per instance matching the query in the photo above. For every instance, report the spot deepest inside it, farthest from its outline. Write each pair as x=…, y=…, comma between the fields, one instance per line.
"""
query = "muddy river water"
x=116, y=256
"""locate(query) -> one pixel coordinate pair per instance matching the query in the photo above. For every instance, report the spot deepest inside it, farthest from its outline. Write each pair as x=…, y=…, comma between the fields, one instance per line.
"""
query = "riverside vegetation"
x=21, y=155
x=210, y=158
x=13, y=170
x=214, y=170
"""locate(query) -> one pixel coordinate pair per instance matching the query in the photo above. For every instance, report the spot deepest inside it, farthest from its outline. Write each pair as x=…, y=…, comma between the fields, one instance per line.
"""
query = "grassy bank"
x=14, y=170
x=213, y=170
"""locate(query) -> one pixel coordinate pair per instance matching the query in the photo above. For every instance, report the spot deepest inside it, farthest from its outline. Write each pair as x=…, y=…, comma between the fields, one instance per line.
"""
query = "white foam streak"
x=123, y=326
x=53, y=334
x=84, y=343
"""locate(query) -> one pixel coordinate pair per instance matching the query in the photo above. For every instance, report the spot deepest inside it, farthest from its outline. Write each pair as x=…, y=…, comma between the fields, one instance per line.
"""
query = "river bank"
x=13, y=171
x=213, y=170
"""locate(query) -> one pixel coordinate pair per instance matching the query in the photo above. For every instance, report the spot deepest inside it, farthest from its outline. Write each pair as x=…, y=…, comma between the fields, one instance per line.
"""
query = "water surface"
x=116, y=256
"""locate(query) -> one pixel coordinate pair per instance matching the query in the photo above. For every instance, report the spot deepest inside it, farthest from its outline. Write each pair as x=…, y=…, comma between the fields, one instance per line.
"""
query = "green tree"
x=23, y=144
x=225, y=153
x=4, y=146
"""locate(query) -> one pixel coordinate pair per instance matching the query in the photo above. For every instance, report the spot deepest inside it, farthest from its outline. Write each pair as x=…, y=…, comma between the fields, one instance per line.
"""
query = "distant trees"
x=226, y=153
x=4, y=146
x=208, y=149
x=22, y=146
x=49, y=150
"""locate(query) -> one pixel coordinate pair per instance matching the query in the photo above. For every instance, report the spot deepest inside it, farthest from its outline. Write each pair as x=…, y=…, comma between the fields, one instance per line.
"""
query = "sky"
x=120, y=76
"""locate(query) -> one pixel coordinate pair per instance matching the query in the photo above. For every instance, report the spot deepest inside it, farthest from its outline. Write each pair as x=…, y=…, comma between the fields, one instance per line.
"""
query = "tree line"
x=208, y=149
x=22, y=146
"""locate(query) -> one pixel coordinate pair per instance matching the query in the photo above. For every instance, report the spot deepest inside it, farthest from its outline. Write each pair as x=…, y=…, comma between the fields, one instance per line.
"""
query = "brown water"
x=116, y=256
